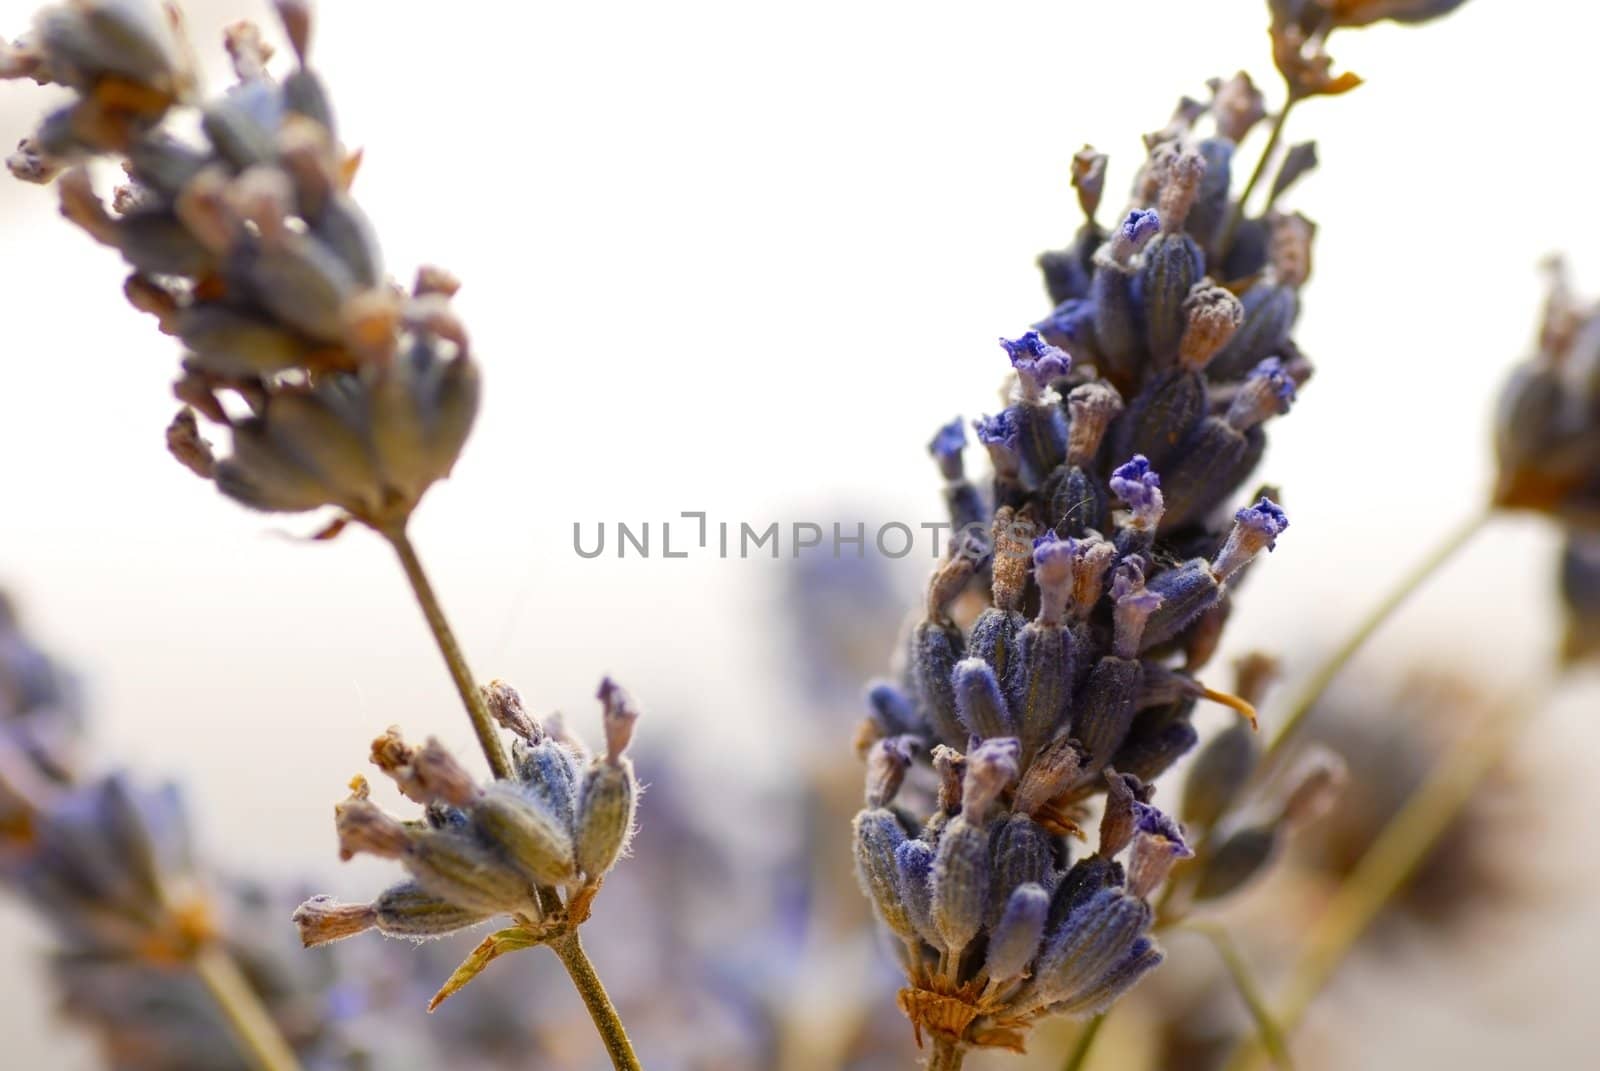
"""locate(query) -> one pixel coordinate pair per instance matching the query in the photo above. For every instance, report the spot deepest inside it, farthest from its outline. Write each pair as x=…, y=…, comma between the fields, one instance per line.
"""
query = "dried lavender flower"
x=535, y=847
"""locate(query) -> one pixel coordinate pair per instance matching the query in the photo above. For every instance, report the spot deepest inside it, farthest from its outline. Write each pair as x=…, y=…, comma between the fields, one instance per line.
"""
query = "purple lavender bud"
x=1042, y=687
x=1023, y=853
x=914, y=865
x=1070, y=326
x=1141, y=225
x=1173, y=264
x=992, y=766
x=1162, y=417
x=892, y=712
x=1090, y=942
x=1078, y=886
x=946, y=448
x=935, y=649
x=1141, y=959
x=1042, y=440
x=1209, y=467
x=979, y=702
x=1076, y=499
x=878, y=835
x=1105, y=707
x=1016, y=935
x=1254, y=527
x=1267, y=391
x=1213, y=199
x=1157, y=739
x=1053, y=559
x=960, y=882
x=994, y=639
x=1186, y=592
x=1270, y=309
x=1036, y=361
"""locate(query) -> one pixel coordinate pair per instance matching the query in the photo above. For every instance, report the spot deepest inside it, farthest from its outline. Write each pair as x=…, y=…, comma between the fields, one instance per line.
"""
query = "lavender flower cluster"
x=245, y=244
x=1056, y=657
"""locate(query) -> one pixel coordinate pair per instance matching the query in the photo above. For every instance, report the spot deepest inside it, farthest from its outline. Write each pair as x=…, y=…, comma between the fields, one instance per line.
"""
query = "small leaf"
x=491, y=948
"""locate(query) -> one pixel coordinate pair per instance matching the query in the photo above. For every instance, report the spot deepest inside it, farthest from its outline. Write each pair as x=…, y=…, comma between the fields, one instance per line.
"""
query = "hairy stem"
x=255, y=1030
x=1078, y=1059
x=466, y=684
x=601, y=1010
x=946, y=1056
x=1393, y=858
x=1317, y=683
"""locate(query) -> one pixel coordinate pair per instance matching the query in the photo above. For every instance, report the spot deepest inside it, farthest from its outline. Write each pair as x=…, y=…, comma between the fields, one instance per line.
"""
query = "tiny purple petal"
x=1137, y=484
x=1036, y=359
x=1266, y=519
x=1140, y=226
x=1272, y=371
x=1155, y=822
x=998, y=430
x=949, y=441
x=1050, y=549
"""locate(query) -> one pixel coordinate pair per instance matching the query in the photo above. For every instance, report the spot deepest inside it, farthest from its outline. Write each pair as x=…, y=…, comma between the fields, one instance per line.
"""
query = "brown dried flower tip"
x=191, y=449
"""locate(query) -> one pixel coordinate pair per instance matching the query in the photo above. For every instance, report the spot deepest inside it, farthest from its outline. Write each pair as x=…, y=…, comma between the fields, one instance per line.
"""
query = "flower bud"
x=1269, y=311
x=1173, y=263
x=606, y=804
x=505, y=706
x=364, y=828
x=1157, y=739
x=960, y=882
x=459, y=869
x=978, y=700
x=914, y=867
x=407, y=910
x=1057, y=766
x=1022, y=853
x=878, y=835
x=1186, y=592
x=1117, y=323
x=1016, y=935
x=936, y=648
x=1089, y=943
x=535, y=839
x=1314, y=786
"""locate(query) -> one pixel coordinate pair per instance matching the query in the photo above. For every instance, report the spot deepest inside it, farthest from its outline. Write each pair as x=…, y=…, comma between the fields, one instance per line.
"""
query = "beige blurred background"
x=743, y=259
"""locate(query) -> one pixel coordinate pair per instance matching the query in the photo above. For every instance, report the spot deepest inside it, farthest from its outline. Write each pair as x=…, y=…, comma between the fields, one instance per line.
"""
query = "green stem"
x=1236, y=213
x=1078, y=1059
x=1244, y=980
x=601, y=1010
x=1317, y=683
x=466, y=684
x=1392, y=860
x=258, y=1035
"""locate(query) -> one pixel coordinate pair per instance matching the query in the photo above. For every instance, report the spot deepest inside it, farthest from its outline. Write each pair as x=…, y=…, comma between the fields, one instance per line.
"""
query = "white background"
x=744, y=258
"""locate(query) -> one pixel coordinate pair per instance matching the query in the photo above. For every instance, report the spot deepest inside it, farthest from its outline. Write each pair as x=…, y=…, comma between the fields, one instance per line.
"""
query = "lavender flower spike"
x=1255, y=527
